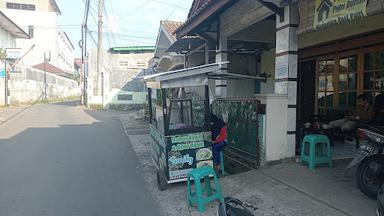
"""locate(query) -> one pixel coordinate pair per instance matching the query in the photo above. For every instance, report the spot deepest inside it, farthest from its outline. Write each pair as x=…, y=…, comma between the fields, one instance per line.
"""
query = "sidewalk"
x=10, y=112
x=281, y=190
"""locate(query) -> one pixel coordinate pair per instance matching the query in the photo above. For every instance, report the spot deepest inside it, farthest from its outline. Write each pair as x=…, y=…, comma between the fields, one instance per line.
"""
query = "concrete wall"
x=6, y=39
x=26, y=85
x=119, y=72
x=268, y=67
x=276, y=146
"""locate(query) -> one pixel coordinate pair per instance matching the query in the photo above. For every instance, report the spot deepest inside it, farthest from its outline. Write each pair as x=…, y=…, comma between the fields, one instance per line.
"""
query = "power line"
x=134, y=10
x=170, y=4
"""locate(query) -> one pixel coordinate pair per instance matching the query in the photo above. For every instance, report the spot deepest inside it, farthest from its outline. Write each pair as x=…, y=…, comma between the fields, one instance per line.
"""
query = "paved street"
x=58, y=159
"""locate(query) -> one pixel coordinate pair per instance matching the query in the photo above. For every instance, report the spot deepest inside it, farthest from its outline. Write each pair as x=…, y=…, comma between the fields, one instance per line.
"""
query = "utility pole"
x=84, y=55
x=5, y=79
x=100, y=51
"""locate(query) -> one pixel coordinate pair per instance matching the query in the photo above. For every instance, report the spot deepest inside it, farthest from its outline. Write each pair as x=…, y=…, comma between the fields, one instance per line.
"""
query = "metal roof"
x=194, y=76
x=132, y=49
x=12, y=27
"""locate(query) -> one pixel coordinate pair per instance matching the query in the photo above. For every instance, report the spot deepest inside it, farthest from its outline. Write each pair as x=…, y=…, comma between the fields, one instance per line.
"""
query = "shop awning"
x=194, y=76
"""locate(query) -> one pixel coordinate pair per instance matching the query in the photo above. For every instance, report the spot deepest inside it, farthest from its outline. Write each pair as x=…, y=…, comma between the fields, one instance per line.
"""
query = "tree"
x=2, y=54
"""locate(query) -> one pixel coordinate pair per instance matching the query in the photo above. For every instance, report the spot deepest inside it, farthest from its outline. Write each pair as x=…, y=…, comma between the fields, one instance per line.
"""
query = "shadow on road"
x=85, y=169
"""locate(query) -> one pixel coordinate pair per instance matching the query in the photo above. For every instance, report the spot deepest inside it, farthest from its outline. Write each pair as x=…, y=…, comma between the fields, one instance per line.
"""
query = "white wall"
x=45, y=34
x=65, y=53
x=27, y=86
x=276, y=128
x=6, y=39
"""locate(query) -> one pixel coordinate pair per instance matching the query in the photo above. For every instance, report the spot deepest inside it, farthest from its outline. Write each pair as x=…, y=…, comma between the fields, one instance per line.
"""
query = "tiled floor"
x=342, y=150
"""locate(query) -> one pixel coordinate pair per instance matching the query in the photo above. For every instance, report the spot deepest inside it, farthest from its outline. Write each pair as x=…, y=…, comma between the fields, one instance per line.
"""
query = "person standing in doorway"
x=219, y=139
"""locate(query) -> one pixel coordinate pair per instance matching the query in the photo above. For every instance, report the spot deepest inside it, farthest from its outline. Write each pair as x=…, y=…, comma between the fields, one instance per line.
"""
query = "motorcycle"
x=369, y=160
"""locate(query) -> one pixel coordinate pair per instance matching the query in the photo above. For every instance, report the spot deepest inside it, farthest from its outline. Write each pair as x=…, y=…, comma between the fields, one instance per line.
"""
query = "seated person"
x=219, y=138
x=379, y=110
x=364, y=112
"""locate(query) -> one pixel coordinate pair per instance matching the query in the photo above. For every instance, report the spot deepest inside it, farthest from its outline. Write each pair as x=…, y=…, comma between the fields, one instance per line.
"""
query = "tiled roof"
x=170, y=27
x=198, y=8
x=49, y=68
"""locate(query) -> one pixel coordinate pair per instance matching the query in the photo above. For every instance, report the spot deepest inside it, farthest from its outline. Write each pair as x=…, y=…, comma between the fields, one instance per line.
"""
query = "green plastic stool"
x=201, y=196
x=316, y=149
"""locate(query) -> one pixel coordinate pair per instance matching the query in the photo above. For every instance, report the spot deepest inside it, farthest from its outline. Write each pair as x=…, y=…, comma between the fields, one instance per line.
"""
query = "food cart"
x=179, y=124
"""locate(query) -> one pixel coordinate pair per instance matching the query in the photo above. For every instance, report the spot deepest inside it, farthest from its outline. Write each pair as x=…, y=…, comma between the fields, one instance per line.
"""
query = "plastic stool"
x=312, y=150
x=201, y=196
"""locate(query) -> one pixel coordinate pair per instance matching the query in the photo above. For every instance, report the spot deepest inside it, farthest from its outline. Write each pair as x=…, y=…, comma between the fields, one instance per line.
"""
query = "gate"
x=242, y=117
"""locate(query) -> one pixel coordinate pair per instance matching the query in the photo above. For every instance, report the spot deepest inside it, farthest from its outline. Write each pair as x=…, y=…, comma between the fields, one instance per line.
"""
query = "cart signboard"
x=177, y=155
x=186, y=152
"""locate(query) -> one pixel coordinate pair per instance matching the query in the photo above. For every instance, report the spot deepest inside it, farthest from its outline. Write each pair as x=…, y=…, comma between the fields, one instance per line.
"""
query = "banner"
x=331, y=12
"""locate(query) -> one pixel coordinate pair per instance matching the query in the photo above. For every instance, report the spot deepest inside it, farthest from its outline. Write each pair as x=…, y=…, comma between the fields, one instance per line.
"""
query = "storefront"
x=342, y=59
x=341, y=56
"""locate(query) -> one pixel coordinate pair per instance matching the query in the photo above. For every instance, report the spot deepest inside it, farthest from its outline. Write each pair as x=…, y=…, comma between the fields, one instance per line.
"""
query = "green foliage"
x=2, y=54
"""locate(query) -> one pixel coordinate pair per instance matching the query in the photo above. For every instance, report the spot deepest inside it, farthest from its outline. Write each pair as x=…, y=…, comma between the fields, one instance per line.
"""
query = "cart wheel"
x=161, y=182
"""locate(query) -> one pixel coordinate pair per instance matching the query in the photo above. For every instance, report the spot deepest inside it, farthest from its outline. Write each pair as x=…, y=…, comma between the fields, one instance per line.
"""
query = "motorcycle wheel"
x=367, y=177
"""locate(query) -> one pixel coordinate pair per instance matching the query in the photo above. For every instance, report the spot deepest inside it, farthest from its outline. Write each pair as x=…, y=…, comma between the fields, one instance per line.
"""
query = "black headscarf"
x=216, y=125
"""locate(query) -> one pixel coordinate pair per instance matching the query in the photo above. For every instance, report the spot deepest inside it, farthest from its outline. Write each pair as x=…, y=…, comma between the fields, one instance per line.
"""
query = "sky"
x=126, y=22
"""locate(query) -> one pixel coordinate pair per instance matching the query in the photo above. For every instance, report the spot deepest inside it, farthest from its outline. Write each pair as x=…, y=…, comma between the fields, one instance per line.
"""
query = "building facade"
x=120, y=79
x=45, y=34
x=309, y=58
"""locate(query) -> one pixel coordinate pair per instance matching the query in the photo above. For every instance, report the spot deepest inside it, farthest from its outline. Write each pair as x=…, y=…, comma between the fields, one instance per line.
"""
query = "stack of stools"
x=204, y=192
x=316, y=149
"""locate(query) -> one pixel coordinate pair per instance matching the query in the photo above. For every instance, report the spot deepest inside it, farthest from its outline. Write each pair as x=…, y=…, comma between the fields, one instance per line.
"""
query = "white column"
x=286, y=67
x=221, y=56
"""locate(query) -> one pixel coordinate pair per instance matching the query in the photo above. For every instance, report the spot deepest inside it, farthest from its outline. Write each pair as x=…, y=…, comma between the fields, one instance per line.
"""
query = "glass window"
x=368, y=81
x=343, y=82
x=374, y=73
x=157, y=119
x=352, y=82
x=186, y=108
x=343, y=99
x=322, y=83
x=321, y=99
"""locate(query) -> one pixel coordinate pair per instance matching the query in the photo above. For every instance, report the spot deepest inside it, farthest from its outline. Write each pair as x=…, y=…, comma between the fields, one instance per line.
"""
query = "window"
x=186, y=108
x=374, y=74
x=325, y=85
x=140, y=64
x=156, y=113
x=126, y=97
x=17, y=6
x=123, y=64
x=348, y=82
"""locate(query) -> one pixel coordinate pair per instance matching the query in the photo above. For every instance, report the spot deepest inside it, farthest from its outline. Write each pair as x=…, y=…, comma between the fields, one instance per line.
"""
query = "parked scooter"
x=370, y=160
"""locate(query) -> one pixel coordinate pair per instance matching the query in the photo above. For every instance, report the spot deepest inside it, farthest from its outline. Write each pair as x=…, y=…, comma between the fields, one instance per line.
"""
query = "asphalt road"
x=60, y=160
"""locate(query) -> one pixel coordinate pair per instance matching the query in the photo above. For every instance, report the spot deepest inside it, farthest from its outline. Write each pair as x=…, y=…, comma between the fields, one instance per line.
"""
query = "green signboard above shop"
x=332, y=12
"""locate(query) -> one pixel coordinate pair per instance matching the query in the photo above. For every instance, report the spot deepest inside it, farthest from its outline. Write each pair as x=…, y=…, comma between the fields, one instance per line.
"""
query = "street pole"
x=45, y=80
x=100, y=50
x=84, y=55
x=5, y=79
